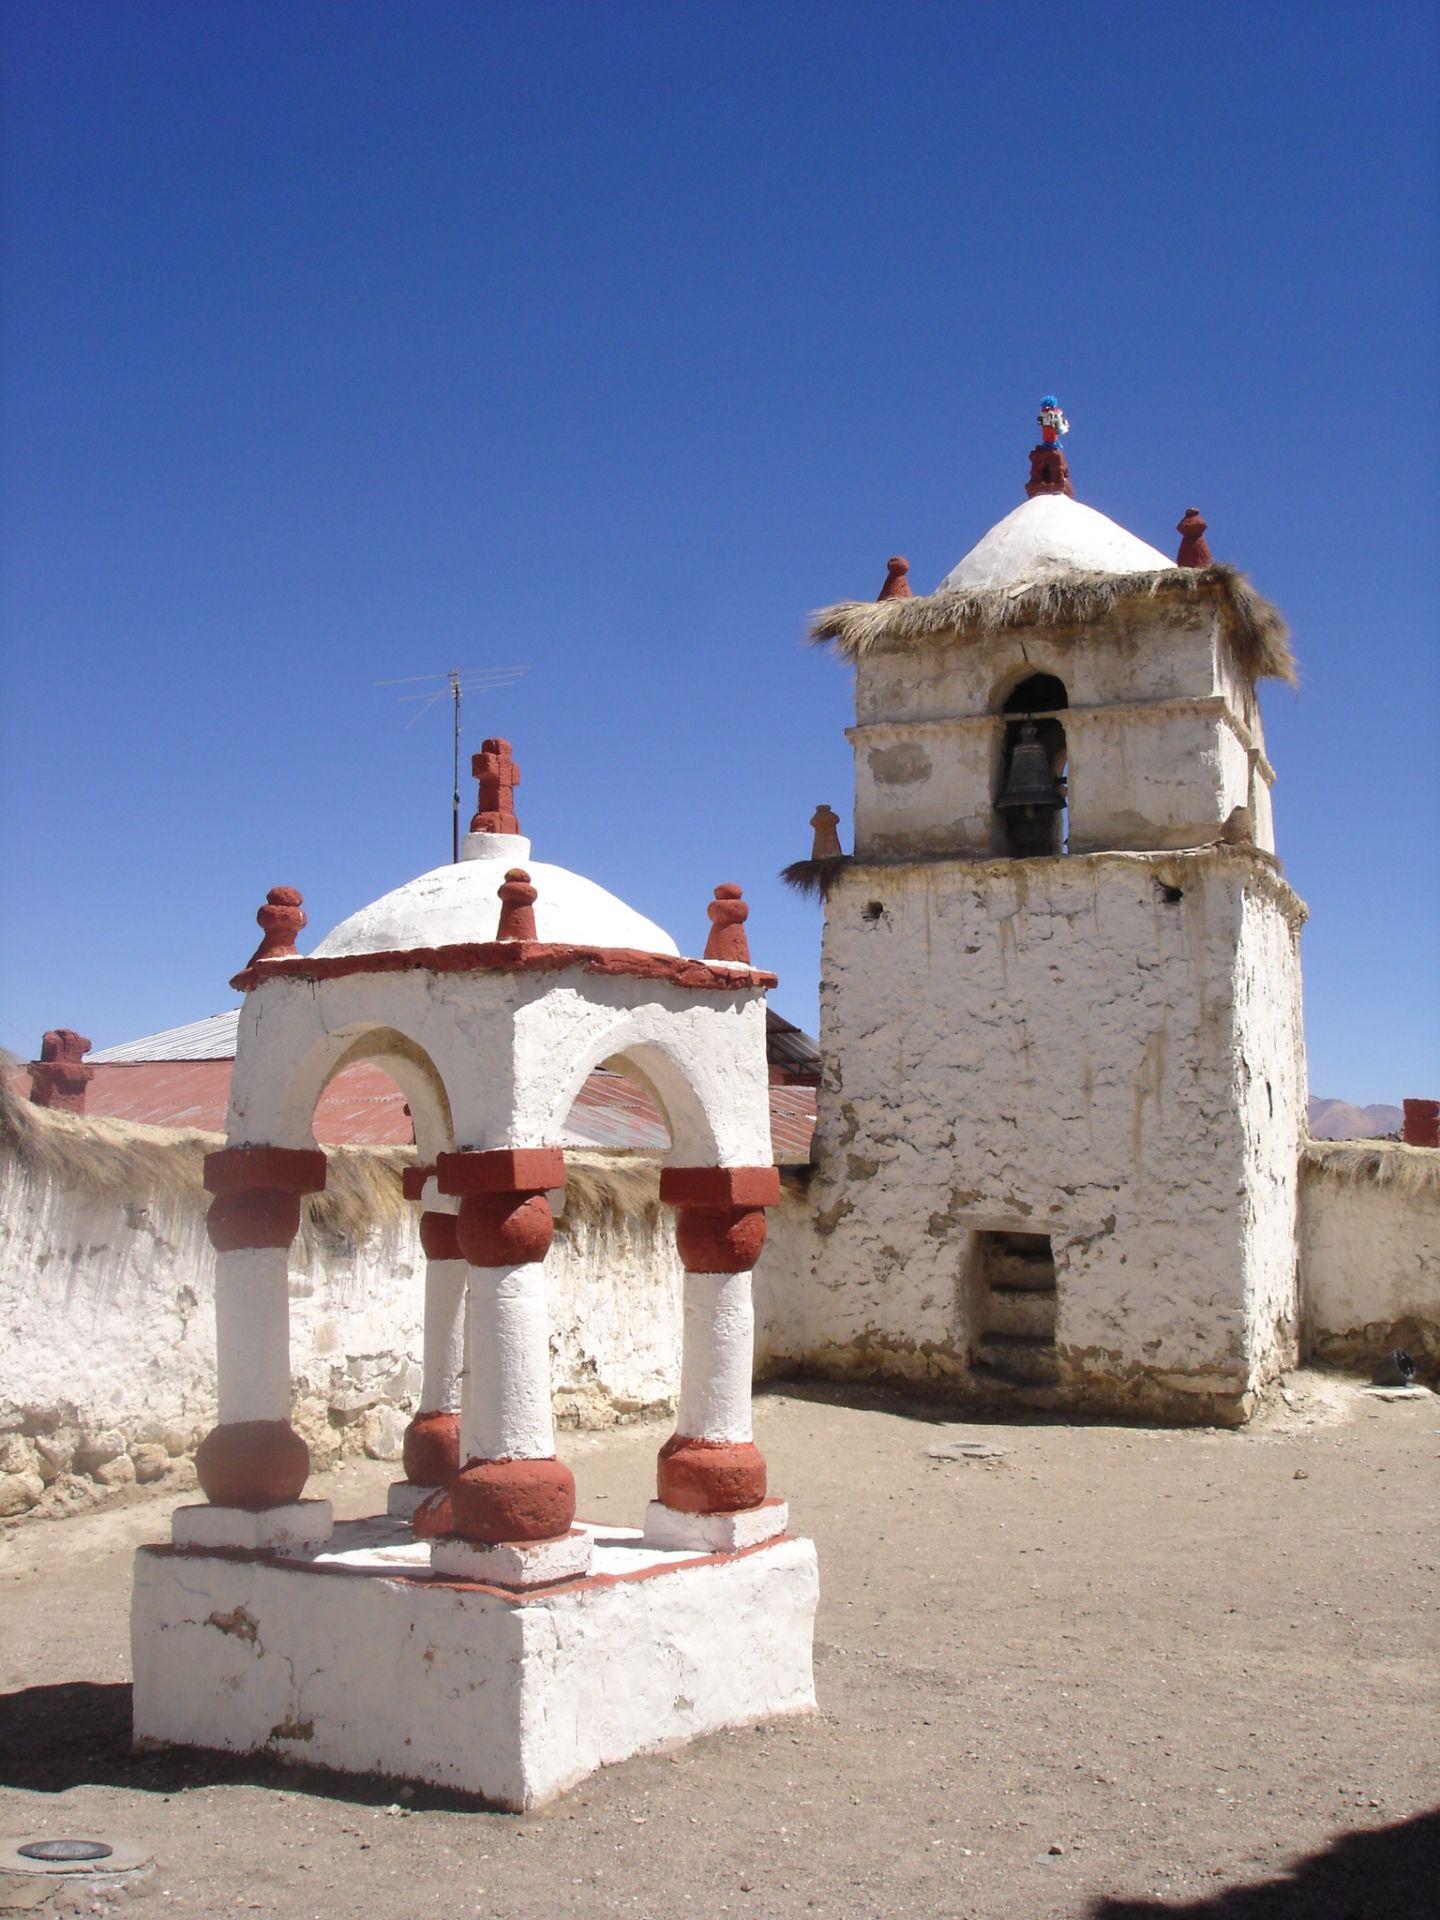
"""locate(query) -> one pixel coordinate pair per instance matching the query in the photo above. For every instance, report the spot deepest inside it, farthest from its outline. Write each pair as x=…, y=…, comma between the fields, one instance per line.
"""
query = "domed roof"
x=1049, y=534
x=454, y=905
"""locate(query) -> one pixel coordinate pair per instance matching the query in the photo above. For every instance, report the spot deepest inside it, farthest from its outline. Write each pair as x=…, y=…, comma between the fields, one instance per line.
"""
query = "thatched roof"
x=1256, y=630
x=1373, y=1163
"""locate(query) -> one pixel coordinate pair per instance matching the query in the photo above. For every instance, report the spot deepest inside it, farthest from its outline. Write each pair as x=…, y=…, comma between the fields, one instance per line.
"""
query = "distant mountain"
x=1338, y=1120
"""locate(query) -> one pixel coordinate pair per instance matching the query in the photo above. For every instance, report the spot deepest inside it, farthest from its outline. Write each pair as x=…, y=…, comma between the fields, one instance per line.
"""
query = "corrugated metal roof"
x=181, y=1078
x=212, y=1038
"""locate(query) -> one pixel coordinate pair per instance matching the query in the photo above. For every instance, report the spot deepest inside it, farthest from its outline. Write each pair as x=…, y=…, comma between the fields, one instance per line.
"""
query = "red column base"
x=432, y=1449
x=495, y=1501
x=710, y=1476
x=252, y=1464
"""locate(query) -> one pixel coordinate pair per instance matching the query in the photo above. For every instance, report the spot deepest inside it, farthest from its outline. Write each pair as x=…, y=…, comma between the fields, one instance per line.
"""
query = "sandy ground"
x=1110, y=1672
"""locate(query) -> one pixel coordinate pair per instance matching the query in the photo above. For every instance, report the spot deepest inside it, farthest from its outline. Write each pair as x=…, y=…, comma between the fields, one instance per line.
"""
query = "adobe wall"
x=1370, y=1252
x=107, y=1366
x=1056, y=1046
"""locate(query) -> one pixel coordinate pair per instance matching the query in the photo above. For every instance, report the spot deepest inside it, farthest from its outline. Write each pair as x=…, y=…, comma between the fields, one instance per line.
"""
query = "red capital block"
x=439, y=1236
x=280, y=1169
x=1422, y=1123
x=501, y=1170
x=720, y=1186
x=412, y=1181
x=252, y=1217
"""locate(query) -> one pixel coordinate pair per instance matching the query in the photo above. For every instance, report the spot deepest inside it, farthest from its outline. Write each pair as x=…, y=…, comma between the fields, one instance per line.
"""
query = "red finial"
x=826, y=823
x=57, y=1078
x=897, y=586
x=517, y=906
x=498, y=776
x=280, y=919
x=728, y=914
x=1193, y=550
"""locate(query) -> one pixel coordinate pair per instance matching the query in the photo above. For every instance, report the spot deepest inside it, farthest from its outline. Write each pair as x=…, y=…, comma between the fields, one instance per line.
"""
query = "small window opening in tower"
x=1033, y=801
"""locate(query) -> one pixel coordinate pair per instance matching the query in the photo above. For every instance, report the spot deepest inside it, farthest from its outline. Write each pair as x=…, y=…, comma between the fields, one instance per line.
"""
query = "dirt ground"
x=1108, y=1672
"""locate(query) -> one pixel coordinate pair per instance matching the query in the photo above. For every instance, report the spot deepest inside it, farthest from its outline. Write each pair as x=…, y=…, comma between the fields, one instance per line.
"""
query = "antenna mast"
x=455, y=683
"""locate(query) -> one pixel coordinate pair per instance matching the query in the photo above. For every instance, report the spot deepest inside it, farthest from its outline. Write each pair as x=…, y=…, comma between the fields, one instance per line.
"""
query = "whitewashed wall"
x=107, y=1334
x=1370, y=1253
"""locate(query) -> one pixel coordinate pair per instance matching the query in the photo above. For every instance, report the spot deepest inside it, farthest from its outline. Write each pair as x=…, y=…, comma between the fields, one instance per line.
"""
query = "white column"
x=444, y=1349
x=505, y=1404
x=718, y=1359
x=252, y=1334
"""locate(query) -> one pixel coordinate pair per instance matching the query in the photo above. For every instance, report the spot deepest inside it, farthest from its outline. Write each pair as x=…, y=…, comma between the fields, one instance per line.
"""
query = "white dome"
x=461, y=903
x=1051, y=534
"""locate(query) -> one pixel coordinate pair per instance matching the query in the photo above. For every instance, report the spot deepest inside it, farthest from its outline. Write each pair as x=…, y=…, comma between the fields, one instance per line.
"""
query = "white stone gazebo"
x=472, y=1637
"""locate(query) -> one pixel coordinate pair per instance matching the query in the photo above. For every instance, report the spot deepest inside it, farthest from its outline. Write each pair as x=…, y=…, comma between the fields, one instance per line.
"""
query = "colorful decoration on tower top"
x=1053, y=424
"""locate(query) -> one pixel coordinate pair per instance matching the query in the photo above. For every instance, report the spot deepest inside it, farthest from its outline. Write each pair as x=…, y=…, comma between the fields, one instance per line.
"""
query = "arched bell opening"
x=1031, y=808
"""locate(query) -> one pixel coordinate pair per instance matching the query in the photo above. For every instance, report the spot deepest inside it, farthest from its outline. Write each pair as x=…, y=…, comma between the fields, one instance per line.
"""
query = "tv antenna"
x=452, y=685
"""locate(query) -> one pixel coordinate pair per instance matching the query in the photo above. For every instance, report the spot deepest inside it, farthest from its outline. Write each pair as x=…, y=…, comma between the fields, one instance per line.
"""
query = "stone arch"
x=274, y=1096
x=665, y=1058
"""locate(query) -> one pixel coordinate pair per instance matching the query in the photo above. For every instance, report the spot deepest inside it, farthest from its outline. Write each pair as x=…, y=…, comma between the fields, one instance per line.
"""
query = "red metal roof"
x=363, y=1107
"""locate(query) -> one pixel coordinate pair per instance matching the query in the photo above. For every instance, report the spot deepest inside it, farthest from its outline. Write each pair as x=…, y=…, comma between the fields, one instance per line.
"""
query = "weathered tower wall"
x=1106, y=1050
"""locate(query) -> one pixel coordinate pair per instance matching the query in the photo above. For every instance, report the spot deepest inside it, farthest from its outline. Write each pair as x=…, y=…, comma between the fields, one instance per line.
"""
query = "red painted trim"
x=720, y=1186
x=440, y=1237
x=710, y=1476
x=252, y=1464
x=412, y=1181
x=254, y=1217
x=514, y=956
x=281, y=1169
x=500, y=1502
x=504, y=1229
x=432, y=1449
x=501, y=1170
x=1422, y=1123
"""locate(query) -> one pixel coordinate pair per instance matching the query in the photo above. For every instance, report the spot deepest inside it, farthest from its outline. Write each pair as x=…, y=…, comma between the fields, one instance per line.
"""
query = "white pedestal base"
x=714, y=1532
x=515, y=1564
x=402, y=1499
x=359, y=1658
x=302, y=1525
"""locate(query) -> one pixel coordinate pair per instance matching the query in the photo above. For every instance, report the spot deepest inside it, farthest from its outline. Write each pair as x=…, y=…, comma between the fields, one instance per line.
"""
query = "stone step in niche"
x=1019, y=1359
x=1027, y=1311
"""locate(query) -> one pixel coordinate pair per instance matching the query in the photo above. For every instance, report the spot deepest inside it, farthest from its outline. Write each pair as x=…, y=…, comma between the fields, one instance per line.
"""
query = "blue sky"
x=350, y=341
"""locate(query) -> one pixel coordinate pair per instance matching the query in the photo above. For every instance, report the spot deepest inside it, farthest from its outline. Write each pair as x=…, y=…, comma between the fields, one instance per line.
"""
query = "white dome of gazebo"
x=1050, y=534
x=460, y=904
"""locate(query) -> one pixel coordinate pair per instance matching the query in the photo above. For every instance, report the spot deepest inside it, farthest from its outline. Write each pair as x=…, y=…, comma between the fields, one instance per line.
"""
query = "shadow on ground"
x=1389, y=1873
x=77, y=1734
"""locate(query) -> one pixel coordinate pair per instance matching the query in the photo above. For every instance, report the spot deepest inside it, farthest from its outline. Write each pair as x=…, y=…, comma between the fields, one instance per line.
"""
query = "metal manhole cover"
x=66, y=1850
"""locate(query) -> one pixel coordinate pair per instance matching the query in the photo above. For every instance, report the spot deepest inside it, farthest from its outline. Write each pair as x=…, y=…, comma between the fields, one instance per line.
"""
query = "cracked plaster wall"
x=1370, y=1257
x=1056, y=1047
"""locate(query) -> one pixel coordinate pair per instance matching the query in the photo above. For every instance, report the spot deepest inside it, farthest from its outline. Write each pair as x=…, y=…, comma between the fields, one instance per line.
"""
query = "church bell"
x=1029, y=782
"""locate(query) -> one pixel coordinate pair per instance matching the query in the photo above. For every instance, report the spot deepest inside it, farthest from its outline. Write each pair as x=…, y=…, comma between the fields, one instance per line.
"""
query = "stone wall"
x=1370, y=1252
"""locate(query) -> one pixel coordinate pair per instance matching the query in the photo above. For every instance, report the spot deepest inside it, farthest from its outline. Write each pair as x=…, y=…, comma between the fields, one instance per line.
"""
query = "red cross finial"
x=1193, y=549
x=498, y=776
x=728, y=914
x=280, y=919
x=517, y=906
x=897, y=585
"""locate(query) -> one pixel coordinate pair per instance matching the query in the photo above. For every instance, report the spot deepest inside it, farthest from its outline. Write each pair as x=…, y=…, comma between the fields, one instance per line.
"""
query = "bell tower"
x=1064, y=1079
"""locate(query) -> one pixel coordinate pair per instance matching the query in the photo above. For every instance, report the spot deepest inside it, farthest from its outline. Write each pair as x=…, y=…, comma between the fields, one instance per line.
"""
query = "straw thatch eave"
x=1373, y=1163
x=1255, y=630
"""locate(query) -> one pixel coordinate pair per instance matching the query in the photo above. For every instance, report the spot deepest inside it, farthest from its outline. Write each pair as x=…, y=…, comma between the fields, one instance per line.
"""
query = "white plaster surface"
x=444, y=1334
x=514, y=1563
x=718, y=1363
x=1052, y=534
x=372, y=1669
x=461, y=902
x=1370, y=1259
x=1054, y=1047
x=714, y=1532
x=300, y=1525
x=505, y=1402
x=252, y=1341
x=401, y=1499
x=503, y=1055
